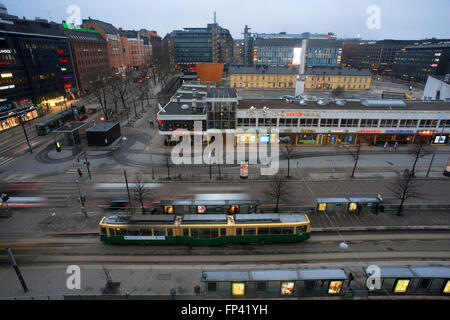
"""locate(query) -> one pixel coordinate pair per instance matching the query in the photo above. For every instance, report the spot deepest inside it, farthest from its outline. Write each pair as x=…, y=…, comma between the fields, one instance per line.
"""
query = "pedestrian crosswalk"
x=5, y=160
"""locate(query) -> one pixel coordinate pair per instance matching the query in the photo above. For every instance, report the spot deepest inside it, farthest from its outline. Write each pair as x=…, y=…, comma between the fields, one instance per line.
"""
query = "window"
x=263, y=231
x=212, y=286
x=169, y=232
x=146, y=232
x=132, y=232
x=249, y=231
x=204, y=233
x=275, y=231
x=261, y=286
x=159, y=232
x=349, y=123
x=424, y=283
x=239, y=231
x=428, y=124
x=389, y=123
x=408, y=123
x=223, y=232
x=194, y=233
x=301, y=230
x=288, y=230
x=369, y=123
x=329, y=122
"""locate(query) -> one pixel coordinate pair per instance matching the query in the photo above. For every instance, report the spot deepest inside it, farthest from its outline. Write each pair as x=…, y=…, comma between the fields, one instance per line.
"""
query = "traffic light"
x=102, y=119
x=58, y=147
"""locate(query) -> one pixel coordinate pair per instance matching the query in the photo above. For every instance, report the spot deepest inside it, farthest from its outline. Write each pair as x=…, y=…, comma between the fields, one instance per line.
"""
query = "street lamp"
x=25, y=132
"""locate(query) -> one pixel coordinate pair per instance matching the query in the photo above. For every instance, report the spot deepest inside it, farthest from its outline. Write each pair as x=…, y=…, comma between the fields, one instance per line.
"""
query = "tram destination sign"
x=144, y=238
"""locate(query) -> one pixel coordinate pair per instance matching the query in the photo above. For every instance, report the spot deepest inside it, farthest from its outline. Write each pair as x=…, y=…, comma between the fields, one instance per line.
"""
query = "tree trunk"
x=289, y=168
x=400, y=208
x=354, y=168
x=278, y=204
x=413, y=173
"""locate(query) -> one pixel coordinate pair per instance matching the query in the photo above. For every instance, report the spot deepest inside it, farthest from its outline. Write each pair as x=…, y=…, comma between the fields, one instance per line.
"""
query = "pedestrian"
x=395, y=146
x=197, y=289
x=386, y=145
x=350, y=279
x=359, y=209
x=80, y=173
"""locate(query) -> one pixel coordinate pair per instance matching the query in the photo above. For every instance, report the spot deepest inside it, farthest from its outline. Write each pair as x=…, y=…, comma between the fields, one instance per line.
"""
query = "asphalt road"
x=363, y=248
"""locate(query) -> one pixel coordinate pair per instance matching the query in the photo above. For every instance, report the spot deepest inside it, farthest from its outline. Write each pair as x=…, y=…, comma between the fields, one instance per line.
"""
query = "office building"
x=260, y=77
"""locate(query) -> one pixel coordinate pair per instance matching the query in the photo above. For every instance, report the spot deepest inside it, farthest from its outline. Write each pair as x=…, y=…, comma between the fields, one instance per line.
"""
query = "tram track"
x=324, y=248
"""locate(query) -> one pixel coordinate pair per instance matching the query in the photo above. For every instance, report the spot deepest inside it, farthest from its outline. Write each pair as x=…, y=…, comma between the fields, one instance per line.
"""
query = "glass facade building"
x=324, y=53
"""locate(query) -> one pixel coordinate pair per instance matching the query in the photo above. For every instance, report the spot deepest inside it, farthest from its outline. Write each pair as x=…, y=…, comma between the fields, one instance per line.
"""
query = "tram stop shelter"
x=274, y=283
x=393, y=280
x=72, y=135
x=349, y=205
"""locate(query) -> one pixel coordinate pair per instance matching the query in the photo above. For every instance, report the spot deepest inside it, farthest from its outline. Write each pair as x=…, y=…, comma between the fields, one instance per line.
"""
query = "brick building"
x=90, y=56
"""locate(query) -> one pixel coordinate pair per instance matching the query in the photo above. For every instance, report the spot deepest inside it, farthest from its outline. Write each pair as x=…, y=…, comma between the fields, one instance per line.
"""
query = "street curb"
x=313, y=230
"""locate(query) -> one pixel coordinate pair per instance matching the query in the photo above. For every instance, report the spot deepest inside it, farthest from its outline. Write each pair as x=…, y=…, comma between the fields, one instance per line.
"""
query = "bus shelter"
x=72, y=135
x=431, y=281
x=349, y=205
x=393, y=281
x=274, y=283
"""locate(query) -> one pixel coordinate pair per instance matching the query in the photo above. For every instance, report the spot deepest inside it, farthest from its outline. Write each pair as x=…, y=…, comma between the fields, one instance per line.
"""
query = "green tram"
x=57, y=121
x=183, y=207
x=205, y=230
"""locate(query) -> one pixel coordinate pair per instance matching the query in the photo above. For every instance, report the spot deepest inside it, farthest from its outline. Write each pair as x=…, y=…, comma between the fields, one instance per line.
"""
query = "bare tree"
x=141, y=191
x=356, y=154
x=278, y=190
x=120, y=86
x=100, y=90
x=403, y=189
x=419, y=150
x=167, y=164
x=288, y=152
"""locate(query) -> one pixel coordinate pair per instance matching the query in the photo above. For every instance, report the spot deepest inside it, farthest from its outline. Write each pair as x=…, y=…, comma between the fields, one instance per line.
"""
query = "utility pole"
x=16, y=268
x=128, y=190
x=25, y=132
x=82, y=200
x=86, y=162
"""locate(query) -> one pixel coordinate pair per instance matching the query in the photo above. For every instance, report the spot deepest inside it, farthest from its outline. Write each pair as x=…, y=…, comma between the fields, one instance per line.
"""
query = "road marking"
x=5, y=160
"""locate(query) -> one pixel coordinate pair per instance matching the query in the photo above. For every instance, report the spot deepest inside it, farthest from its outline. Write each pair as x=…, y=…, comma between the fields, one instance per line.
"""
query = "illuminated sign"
x=297, y=57
x=63, y=60
x=335, y=287
x=238, y=289
x=4, y=63
x=67, y=86
x=63, y=69
x=370, y=131
x=287, y=288
x=7, y=87
x=7, y=75
x=144, y=238
x=264, y=139
x=440, y=139
x=5, y=51
x=60, y=51
x=72, y=27
x=426, y=133
x=322, y=207
x=401, y=286
x=400, y=131
x=447, y=287
x=244, y=170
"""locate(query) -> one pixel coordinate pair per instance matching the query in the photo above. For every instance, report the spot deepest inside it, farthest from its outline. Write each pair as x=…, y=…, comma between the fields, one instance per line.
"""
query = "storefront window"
x=335, y=287
x=307, y=139
x=238, y=289
x=401, y=286
x=287, y=288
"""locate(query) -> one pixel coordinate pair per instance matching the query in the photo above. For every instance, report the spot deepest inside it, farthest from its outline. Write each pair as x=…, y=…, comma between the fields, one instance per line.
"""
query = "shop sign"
x=238, y=289
x=440, y=140
x=335, y=287
x=160, y=238
x=7, y=107
x=370, y=131
x=400, y=131
x=308, y=131
x=426, y=133
x=401, y=286
x=5, y=51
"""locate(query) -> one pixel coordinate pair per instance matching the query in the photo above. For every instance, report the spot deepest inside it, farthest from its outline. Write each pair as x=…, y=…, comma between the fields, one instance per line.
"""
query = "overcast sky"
x=400, y=19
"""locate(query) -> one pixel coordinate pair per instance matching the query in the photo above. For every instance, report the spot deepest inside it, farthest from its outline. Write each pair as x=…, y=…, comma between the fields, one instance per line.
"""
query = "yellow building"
x=263, y=77
x=329, y=78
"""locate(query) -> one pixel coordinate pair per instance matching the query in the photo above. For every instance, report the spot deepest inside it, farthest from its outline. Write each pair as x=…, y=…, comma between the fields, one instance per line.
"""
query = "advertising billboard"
x=297, y=56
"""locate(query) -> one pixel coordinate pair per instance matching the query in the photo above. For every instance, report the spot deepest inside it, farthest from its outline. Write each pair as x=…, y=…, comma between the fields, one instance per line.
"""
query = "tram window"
x=223, y=232
x=185, y=232
x=169, y=232
x=301, y=230
x=261, y=286
x=204, y=234
x=168, y=209
x=288, y=230
x=201, y=209
x=103, y=231
x=214, y=233
x=121, y=232
x=309, y=285
x=194, y=233
x=133, y=232
x=159, y=232
x=249, y=232
x=263, y=231
x=275, y=230
x=111, y=232
x=239, y=231
x=146, y=232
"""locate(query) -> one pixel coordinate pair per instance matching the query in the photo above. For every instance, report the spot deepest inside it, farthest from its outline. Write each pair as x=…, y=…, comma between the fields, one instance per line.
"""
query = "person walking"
x=386, y=145
x=395, y=146
x=350, y=278
x=197, y=289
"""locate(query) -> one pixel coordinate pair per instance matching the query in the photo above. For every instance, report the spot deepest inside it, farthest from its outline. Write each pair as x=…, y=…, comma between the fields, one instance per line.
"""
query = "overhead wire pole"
x=26, y=135
x=83, y=205
x=16, y=268
x=128, y=191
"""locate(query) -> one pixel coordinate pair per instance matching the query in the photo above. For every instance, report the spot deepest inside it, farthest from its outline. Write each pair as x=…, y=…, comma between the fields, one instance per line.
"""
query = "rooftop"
x=108, y=28
x=337, y=71
x=103, y=127
x=262, y=70
x=78, y=35
x=351, y=105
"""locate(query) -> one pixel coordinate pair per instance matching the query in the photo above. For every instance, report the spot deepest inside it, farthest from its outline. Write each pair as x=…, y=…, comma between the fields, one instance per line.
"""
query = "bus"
x=204, y=230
